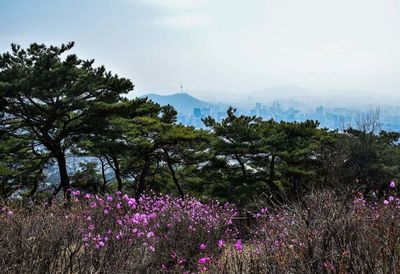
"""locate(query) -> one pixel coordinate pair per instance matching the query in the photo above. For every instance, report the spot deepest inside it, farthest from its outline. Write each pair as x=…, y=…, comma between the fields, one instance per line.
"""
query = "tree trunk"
x=64, y=178
x=171, y=169
x=242, y=165
x=272, y=170
x=103, y=174
x=117, y=173
x=142, y=177
x=36, y=182
x=271, y=179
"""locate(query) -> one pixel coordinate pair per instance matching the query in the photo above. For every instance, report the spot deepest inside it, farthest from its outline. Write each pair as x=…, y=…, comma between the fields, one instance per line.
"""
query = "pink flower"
x=204, y=260
x=238, y=245
x=202, y=247
x=385, y=202
x=221, y=244
x=132, y=202
x=106, y=211
x=109, y=198
x=392, y=184
x=119, y=236
x=88, y=195
x=93, y=204
x=10, y=213
x=262, y=212
x=150, y=234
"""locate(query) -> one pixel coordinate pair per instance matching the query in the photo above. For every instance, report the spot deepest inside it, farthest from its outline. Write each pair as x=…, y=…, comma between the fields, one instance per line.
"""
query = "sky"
x=222, y=48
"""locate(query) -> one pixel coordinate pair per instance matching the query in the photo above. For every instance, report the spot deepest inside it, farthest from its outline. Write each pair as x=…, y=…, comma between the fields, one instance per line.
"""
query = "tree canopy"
x=52, y=100
x=53, y=104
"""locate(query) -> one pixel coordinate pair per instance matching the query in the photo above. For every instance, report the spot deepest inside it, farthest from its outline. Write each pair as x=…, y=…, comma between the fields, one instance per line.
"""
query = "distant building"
x=205, y=112
x=197, y=112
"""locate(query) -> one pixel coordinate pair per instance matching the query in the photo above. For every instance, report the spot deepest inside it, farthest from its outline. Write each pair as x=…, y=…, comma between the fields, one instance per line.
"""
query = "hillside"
x=183, y=102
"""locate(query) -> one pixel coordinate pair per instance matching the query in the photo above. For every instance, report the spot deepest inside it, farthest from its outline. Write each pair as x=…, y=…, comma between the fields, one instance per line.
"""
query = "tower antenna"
x=181, y=88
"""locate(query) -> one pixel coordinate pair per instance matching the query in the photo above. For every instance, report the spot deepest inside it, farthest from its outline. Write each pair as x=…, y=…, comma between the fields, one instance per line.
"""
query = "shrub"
x=114, y=234
x=323, y=234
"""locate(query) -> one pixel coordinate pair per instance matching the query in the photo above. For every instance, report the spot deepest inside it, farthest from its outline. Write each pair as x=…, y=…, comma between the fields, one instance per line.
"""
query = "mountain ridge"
x=182, y=102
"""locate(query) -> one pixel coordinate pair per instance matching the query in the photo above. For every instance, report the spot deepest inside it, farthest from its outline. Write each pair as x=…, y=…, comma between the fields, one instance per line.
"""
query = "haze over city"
x=244, y=49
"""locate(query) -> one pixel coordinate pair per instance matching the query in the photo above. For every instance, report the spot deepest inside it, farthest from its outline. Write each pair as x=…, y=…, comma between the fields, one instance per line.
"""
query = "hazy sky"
x=230, y=47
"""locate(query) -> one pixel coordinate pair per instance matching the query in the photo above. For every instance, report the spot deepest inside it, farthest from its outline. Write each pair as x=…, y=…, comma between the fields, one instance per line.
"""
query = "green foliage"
x=88, y=178
x=372, y=159
x=53, y=103
x=21, y=166
x=54, y=100
x=258, y=156
x=144, y=146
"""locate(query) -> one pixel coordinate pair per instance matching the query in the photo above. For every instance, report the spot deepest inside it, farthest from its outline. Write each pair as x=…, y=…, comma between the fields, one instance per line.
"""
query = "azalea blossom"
x=204, y=260
x=238, y=245
x=221, y=244
x=150, y=234
x=385, y=202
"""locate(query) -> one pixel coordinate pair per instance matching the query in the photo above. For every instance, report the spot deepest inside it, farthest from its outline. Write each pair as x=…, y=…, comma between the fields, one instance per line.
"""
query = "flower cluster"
x=160, y=224
x=117, y=233
x=281, y=240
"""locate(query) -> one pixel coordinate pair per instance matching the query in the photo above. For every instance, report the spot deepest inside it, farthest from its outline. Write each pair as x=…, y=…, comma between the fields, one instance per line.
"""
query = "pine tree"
x=54, y=99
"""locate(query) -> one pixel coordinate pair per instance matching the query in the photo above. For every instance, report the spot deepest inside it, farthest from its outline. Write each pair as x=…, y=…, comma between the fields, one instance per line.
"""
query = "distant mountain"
x=182, y=102
x=286, y=92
